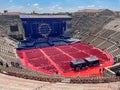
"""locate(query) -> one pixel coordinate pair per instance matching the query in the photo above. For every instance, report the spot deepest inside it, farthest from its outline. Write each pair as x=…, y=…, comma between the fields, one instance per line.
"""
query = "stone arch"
x=1, y=63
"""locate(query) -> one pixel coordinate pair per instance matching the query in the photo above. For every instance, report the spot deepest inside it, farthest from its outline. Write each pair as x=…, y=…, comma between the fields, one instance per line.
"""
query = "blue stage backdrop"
x=36, y=26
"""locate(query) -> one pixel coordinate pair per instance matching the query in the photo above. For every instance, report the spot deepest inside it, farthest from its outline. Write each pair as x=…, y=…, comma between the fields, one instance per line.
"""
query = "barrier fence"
x=47, y=78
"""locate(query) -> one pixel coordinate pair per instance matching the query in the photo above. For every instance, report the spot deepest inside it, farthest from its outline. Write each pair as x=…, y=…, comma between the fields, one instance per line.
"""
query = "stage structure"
x=38, y=26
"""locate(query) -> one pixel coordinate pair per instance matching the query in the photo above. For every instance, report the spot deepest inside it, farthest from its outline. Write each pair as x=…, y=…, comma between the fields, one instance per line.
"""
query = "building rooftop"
x=11, y=13
x=92, y=10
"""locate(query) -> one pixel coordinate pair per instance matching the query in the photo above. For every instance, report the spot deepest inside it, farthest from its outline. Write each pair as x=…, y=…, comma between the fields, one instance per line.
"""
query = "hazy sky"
x=42, y=6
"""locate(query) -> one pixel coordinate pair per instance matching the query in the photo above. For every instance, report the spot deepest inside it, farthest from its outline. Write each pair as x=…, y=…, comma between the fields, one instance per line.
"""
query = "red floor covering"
x=54, y=59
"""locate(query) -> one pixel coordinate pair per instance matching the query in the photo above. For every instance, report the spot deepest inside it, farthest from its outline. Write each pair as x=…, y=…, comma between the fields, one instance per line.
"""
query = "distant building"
x=96, y=12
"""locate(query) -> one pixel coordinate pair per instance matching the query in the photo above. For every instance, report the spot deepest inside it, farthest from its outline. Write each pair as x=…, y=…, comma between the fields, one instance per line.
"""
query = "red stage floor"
x=54, y=59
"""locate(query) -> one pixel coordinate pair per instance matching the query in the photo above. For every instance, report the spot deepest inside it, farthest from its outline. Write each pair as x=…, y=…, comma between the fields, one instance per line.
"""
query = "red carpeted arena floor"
x=54, y=59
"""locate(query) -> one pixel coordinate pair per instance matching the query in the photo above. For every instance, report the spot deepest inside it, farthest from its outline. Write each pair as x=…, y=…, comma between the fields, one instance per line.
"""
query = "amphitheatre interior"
x=46, y=55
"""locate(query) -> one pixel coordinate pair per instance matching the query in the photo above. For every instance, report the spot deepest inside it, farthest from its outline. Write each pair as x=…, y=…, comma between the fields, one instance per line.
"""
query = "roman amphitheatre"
x=60, y=51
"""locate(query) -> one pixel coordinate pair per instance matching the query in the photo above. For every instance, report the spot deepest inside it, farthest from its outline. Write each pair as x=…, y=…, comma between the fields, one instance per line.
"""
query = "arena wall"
x=9, y=22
